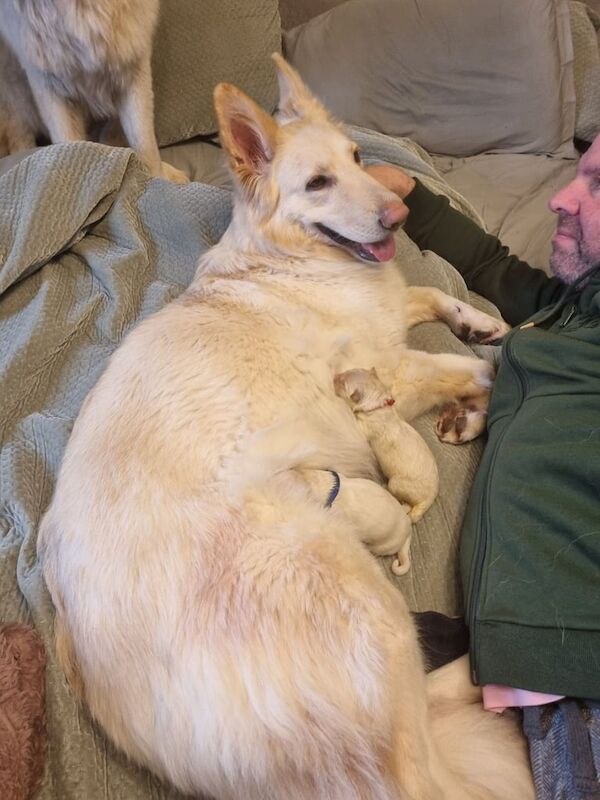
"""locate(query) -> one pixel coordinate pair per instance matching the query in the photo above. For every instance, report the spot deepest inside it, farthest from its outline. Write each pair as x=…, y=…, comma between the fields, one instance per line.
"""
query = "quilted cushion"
x=201, y=42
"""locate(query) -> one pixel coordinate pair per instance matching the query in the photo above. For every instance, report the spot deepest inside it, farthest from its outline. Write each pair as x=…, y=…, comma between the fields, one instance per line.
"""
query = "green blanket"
x=89, y=245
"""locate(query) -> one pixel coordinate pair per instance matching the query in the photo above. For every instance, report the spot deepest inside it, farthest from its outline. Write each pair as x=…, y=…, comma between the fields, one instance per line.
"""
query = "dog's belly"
x=144, y=533
x=184, y=398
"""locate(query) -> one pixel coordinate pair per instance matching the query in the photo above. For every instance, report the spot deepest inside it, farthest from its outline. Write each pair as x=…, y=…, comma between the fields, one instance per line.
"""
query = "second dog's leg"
x=63, y=119
x=426, y=304
x=424, y=380
x=137, y=118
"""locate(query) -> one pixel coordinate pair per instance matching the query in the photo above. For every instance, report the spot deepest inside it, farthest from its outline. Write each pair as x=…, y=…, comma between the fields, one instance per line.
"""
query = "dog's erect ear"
x=295, y=100
x=247, y=133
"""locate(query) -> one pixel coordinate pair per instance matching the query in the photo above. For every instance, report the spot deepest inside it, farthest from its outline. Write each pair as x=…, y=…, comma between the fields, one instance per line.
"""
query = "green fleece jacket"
x=530, y=546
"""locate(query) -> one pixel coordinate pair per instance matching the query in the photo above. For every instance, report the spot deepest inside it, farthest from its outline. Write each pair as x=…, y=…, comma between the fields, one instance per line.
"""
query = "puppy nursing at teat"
x=403, y=456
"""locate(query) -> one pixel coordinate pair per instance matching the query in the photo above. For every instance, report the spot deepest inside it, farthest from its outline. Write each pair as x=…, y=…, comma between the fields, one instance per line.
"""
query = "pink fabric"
x=498, y=698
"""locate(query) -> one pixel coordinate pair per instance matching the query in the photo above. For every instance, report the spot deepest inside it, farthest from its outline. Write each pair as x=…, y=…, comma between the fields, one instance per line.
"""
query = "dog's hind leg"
x=427, y=304
x=136, y=113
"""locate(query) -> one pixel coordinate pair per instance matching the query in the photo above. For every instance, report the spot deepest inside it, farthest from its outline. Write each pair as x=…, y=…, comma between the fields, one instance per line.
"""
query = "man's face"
x=576, y=244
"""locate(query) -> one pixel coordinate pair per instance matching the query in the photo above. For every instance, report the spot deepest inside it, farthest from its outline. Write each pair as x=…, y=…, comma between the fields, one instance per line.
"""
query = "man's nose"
x=392, y=215
x=566, y=200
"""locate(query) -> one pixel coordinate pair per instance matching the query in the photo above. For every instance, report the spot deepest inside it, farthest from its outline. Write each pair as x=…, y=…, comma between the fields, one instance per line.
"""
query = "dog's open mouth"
x=383, y=250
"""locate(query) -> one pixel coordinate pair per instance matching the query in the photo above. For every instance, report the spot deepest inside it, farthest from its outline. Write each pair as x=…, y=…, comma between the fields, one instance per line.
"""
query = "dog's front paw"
x=476, y=327
x=170, y=173
x=460, y=423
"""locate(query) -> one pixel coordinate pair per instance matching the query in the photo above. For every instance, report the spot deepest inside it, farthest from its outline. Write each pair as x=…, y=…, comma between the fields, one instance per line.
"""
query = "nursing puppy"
x=80, y=60
x=226, y=628
x=404, y=458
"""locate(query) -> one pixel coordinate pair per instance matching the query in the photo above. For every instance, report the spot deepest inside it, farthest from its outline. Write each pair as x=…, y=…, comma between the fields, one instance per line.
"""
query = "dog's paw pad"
x=476, y=327
x=460, y=423
x=492, y=334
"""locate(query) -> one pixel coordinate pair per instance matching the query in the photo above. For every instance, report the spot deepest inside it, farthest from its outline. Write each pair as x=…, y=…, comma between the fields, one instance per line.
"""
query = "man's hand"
x=392, y=178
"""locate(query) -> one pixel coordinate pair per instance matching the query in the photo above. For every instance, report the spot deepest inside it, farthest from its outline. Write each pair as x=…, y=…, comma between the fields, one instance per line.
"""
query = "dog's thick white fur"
x=81, y=60
x=224, y=627
x=404, y=458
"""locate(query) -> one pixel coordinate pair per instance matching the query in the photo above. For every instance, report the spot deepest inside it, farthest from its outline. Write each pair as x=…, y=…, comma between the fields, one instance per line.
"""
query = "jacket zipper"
x=569, y=316
x=481, y=548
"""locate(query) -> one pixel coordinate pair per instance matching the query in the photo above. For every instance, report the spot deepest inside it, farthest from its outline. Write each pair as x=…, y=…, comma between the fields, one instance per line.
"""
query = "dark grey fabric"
x=564, y=748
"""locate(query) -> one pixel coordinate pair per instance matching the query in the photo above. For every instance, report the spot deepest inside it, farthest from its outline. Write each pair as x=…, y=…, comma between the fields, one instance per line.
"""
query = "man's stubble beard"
x=570, y=265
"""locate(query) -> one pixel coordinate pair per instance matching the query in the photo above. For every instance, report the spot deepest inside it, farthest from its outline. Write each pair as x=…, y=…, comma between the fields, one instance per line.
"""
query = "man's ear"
x=295, y=99
x=247, y=133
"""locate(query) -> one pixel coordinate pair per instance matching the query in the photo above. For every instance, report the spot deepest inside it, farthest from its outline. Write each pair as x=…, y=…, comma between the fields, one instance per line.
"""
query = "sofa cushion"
x=458, y=76
x=585, y=29
x=199, y=43
x=295, y=12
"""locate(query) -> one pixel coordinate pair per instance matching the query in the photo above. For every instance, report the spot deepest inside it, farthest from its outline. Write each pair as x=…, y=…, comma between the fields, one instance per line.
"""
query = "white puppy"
x=403, y=456
x=371, y=508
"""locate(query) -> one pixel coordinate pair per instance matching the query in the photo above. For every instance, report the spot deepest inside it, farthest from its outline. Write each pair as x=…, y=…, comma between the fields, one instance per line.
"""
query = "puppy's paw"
x=170, y=173
x=476, y=327
x=461, y=423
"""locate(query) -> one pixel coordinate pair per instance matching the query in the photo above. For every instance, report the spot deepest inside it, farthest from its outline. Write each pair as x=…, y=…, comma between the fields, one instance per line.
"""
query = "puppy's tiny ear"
x=295, y=99
x=248, y=134
x=356, y=396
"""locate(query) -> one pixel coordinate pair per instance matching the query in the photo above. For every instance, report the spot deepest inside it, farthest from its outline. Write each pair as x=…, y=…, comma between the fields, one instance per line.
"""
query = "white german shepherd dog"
x=225, y=628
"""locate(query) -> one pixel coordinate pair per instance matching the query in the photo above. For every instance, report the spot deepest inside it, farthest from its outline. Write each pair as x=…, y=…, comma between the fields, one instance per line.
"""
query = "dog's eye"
x=318, y=182
x=357, y=156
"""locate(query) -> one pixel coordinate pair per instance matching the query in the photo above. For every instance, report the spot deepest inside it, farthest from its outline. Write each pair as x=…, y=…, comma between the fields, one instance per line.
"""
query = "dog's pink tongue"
x=382, y=251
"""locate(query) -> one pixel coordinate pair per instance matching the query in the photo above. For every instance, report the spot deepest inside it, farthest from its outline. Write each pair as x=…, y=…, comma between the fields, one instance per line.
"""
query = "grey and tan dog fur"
x=67, y=63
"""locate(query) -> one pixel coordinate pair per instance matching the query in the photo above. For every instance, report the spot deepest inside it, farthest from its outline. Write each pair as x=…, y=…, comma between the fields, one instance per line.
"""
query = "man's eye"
x=318, y=182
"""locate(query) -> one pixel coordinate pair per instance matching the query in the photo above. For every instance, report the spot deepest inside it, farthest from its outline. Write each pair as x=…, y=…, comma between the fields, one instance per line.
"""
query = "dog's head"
x=300, y=177
x=362, y=390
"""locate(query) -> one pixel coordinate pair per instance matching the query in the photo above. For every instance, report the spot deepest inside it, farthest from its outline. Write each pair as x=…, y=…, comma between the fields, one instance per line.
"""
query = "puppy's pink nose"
x=393, y=215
